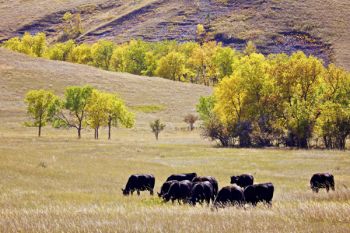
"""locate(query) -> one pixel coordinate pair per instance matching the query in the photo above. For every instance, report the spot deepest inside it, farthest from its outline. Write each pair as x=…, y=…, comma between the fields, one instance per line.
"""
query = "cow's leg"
x=151, y=192
x=327, y=188
x=208, y=201
x=132, y=192
x=269, y=204
x=138, y=192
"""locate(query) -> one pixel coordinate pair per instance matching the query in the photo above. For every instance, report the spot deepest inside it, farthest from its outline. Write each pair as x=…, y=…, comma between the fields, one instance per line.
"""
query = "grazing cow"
x=165, y=188
x=179, y=190
x=202, y=191
x=322, y=180
x=243, y=180
x=259, y=193
x=229, y=195
x=180, y=177
x=211, y=179
x=141, y=182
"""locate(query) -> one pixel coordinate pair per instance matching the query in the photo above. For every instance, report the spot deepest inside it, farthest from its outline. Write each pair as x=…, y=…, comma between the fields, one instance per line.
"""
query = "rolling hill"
x=314, y=26
x=20, y=73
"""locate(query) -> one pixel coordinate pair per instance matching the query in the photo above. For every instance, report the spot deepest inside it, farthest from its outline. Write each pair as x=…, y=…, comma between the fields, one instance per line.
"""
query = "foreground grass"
x=61, y=184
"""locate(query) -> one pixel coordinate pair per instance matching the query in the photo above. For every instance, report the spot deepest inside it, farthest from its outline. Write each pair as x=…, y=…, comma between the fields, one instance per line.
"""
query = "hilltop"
x=314, y=26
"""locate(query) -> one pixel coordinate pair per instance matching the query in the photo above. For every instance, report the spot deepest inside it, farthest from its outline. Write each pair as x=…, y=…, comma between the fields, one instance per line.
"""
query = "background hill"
x=150, y=97
x=314, y=26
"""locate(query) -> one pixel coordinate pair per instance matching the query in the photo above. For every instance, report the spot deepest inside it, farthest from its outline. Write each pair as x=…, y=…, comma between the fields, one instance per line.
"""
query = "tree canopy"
x=42, y=106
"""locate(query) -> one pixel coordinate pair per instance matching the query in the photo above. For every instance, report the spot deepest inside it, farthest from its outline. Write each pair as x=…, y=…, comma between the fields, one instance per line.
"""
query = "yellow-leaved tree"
x=106, y=109
x=42, y=105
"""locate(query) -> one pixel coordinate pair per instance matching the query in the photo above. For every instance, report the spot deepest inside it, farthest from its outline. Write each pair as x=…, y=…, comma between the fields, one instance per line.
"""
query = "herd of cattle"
x=192, y=189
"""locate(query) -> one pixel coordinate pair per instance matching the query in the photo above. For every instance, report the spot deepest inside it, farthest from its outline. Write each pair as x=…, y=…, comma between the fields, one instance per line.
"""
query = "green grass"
x=148, y=108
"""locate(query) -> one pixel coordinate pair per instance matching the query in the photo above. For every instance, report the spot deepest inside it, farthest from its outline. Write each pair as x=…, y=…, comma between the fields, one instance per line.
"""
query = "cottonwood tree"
x=157, y=127
x=172, y=66
x=333, y=125
x=75, y=103
x=101, y=53
x=190, y=119
x=250, y=48
x=106, y=109
x=72, y=27
x=42, y=105
x=34, y=46
x=200, y=33
x=96, y=114
x=118, y=114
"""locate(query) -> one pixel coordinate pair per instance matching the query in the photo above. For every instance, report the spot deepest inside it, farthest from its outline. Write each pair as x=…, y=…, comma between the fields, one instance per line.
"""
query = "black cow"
x=259, y=193
x=322, y=180
x=202, y=191
x=140, y=182
x=179, y=190
x=243, y=180
x=180, y=177
x=211, y=179
x=229, y=195
x=165, y=187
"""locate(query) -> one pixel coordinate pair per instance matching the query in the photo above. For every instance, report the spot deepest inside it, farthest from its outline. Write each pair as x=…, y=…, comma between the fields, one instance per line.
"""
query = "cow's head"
x=234, y=179
x=166, y=197
x=125, y=192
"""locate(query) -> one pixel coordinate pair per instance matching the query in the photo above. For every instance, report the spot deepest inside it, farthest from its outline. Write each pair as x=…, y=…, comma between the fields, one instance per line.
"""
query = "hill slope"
x=317, y=27
x=20, y=73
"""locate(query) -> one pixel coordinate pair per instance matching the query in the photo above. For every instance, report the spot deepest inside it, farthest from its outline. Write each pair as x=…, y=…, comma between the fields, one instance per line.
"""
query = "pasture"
x=58, y=183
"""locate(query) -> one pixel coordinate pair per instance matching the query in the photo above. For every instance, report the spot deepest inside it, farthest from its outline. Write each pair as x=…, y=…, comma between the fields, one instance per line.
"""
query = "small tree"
x=157, y=127
x=190, y=119
x=250, y=48
x=41, y=106
x=106, y=109
x=75, y=103
x=97, y=111
x=200, y=33
x=118, y=113
x=72, y=27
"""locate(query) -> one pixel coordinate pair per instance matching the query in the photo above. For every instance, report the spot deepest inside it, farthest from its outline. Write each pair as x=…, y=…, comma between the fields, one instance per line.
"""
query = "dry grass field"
x=58, y=183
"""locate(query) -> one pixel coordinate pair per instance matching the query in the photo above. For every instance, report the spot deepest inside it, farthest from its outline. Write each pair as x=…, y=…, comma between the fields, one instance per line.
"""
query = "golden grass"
x=58, y=183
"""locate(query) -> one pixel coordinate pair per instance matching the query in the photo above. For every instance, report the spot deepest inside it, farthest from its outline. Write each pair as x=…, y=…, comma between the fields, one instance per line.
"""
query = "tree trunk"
x=39, y=133
x=79, y=133
x=156, y=135
x=302, y=143
x=40, y=124
x=109, y=129
x=97, y=132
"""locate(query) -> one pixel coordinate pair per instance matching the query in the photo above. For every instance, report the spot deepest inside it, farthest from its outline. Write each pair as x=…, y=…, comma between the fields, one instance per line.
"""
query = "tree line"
x=203, y=62
x=293, y=101
x=79, y=108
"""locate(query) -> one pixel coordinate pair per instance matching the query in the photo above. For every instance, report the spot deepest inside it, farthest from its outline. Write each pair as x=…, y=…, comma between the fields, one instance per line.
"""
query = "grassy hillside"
x=170, y=101
x=58, y=183
x=314, y=26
